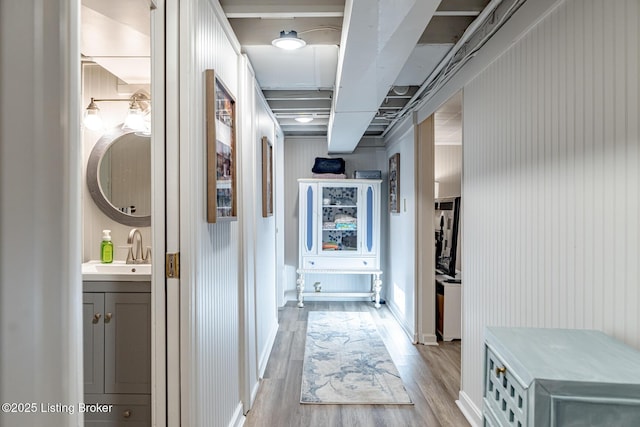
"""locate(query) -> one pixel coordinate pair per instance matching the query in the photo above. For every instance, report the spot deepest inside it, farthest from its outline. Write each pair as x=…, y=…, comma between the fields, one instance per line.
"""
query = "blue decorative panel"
x=309, y=218
x=369, y=219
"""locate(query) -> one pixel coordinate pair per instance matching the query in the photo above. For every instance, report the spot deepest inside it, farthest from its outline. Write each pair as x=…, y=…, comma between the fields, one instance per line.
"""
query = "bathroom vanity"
x=117, y=296
x=117, y=343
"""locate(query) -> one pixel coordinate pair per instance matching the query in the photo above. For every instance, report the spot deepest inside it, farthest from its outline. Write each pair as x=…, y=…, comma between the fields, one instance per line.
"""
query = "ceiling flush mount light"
x=289, y=40
x=304, y=119
x=400, y=90
x=139, y=109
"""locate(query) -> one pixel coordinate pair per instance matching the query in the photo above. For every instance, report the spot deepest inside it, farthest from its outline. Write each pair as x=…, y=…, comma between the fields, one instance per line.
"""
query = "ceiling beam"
x=295, y=95
x=376, y=43
x=283, y=15
x=283, y=11
x=458, y=5
x=457, y=13
x=299, y=105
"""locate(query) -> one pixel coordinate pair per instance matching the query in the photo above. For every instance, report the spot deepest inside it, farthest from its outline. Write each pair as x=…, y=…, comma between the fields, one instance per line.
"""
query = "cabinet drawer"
x=121, y=415
x=505, y=396
x=124, y=410
x=339, y=263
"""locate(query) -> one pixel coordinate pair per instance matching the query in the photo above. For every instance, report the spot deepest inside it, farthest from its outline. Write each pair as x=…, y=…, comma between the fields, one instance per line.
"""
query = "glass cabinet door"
x=339, y=219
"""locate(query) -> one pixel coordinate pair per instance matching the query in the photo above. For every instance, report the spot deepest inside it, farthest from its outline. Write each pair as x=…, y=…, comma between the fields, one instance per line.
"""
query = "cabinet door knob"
x=107, y=317
x=127, y=413
x=500, y=370
x=96, y=317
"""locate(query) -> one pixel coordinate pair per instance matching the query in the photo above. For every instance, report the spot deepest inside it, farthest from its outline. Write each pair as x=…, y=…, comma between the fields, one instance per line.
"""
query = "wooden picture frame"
x=221, y=150
x=267, y=177
x=394, y=183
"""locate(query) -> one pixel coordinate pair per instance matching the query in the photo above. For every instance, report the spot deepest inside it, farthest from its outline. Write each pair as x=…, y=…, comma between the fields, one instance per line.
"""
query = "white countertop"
x=117, y=271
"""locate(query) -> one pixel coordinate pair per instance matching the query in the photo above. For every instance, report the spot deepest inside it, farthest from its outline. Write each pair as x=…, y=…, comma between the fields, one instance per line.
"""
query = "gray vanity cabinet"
x=117, y=352
x=93, y=341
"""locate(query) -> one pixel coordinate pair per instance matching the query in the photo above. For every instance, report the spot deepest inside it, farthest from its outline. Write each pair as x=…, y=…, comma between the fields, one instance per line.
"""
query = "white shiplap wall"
x=400, y=277
x=209, y=252
x=266, y=305
x=249, y=375
x=447, y=164
x=550, y=187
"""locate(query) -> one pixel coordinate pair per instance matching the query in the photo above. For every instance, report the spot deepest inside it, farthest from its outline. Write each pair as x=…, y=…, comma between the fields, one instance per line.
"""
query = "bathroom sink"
x=116, y=271
x=118, y=268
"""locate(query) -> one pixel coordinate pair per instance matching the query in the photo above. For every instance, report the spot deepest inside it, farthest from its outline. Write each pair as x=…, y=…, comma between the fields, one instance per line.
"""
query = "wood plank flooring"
x=431, y=375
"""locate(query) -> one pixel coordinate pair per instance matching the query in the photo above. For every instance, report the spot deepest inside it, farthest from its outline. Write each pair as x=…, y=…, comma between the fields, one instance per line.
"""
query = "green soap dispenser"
x=106, y=247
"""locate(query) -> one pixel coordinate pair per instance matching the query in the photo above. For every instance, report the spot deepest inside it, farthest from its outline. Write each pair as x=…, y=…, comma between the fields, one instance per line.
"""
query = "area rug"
x=346, y=362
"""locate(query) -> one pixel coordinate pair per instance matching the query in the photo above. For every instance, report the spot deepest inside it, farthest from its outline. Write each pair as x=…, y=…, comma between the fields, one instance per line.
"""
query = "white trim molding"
x=471, y=412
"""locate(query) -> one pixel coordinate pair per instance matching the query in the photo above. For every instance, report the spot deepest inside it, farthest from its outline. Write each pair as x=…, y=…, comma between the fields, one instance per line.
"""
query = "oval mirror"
x=119, y=176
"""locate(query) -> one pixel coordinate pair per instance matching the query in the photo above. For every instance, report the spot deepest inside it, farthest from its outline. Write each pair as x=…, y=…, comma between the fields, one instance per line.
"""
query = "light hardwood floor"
x=431, y=375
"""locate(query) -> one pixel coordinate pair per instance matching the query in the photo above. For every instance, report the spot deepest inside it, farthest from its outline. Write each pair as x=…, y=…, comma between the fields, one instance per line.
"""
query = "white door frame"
x=159, y=231
x=166, y=227
x=425, y=288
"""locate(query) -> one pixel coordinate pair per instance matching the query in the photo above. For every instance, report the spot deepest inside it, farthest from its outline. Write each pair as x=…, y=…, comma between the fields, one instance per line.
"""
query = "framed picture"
x=267, y=177
x=394, y=183
x=221, y=150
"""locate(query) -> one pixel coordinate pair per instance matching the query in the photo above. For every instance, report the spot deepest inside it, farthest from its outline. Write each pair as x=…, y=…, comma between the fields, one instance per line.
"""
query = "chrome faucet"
x=135, y=255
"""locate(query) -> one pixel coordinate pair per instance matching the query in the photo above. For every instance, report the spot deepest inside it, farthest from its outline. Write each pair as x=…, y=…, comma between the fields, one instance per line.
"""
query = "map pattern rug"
x=346, y=362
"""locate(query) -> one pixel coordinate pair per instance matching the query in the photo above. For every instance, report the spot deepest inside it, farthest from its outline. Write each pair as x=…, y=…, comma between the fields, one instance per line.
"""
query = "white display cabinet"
x=339, y=232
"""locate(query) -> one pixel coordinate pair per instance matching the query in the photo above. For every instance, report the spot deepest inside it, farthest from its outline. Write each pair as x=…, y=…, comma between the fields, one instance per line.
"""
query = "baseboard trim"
x=238, y=417
x=264, y=356
x=470, y=411
x=429, y=339
x=396, y=314
x=254, y=392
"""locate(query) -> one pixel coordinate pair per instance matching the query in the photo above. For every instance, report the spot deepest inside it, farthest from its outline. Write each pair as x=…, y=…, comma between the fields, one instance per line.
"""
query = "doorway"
x=445, y=126
x=122, y=48
x=447, y=194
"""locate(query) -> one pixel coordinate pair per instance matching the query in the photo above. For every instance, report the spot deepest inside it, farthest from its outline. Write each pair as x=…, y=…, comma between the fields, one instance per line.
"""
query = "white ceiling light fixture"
x=304, y=119
x=400, y=90
x=289, y=40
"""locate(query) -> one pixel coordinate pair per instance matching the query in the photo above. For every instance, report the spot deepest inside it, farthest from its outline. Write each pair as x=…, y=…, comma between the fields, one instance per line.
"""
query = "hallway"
x=431, y=375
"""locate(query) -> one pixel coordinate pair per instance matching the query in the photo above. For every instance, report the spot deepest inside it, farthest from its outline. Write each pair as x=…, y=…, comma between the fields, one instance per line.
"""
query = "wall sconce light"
x=139, y=107
x=134, y=119
x=289, y=40
x=92, y=119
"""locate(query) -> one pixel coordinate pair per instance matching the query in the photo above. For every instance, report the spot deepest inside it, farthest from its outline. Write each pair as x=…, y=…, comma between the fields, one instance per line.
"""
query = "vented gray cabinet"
x=117, y=353
x=559, y=378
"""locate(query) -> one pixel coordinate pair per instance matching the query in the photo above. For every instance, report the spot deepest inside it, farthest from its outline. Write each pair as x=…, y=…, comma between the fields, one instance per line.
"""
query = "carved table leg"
x=300, y=288
x=377, y=285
